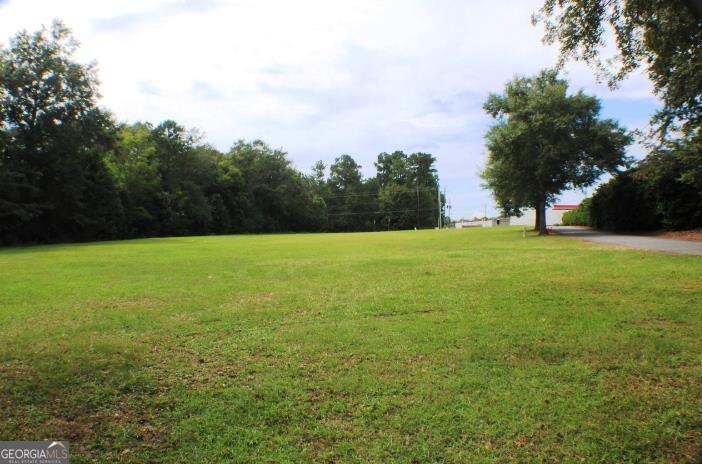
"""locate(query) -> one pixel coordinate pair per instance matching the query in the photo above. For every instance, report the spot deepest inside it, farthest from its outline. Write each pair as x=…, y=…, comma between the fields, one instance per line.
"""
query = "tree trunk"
x=537, y=223
x=541, y=214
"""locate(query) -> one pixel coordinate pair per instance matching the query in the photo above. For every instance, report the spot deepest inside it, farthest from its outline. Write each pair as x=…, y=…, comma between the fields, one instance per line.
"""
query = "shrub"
x=664, y=190
x=625, y=203
x=580, y=216
x=674, y=174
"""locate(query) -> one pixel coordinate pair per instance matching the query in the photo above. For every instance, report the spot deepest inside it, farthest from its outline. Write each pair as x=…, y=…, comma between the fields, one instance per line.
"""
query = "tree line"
x=70, y=172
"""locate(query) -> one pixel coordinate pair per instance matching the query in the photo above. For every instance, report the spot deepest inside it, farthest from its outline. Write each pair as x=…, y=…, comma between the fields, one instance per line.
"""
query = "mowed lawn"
x=418, y=346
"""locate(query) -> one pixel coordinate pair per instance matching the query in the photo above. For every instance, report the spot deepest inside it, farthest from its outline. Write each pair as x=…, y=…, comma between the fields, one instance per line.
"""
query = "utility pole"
x=441, y=211
x=438, y=199
x=416, y=224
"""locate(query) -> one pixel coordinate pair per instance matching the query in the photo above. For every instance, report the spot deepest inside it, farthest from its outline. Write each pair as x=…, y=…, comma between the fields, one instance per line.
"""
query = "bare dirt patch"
x=692, y=235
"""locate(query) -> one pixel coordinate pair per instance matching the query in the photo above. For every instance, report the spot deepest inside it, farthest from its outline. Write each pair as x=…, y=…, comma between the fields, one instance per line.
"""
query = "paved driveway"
x=668, y=245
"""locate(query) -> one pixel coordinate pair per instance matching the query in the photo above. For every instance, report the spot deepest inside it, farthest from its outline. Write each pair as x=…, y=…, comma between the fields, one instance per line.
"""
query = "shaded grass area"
x=418, y=346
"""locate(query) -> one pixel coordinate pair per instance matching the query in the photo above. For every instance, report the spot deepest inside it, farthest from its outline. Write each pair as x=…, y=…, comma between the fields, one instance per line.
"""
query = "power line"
x=382, y=212
x=377, y=194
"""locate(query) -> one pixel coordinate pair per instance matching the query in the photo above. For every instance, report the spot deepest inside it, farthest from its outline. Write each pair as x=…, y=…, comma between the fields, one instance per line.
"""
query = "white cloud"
x=318, y=78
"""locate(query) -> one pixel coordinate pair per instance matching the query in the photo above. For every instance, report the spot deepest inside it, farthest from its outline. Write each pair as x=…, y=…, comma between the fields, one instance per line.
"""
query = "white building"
x=492, y=222
x=465, y=223
x=554, y=216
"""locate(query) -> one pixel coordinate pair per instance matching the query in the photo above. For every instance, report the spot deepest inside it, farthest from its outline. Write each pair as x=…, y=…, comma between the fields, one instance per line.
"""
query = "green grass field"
x=430, y=346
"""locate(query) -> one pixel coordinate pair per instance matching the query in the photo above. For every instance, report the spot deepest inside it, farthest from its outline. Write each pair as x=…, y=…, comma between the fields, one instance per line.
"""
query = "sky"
x=323, y=78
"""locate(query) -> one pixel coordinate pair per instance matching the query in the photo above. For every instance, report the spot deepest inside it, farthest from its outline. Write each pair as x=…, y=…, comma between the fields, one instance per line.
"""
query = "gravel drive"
x=667, y=245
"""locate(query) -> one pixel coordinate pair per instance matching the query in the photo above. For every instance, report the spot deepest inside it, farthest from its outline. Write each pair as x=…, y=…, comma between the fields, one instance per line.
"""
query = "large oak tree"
x=546, y=141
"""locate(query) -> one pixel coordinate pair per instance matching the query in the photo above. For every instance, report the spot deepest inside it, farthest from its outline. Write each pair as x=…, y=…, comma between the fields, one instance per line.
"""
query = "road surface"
x=685, y=247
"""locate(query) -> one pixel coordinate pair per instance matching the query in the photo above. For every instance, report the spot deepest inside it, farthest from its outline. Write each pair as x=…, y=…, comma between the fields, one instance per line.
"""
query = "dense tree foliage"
x=347, y=197
x=623, y=204
x=54, y=182
x=662, y=191
x=673, y=174
x=69, y=172
x=546, y=141
x=408, y=190
x=663, y=35
x=666, y=38
x=277, y=197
